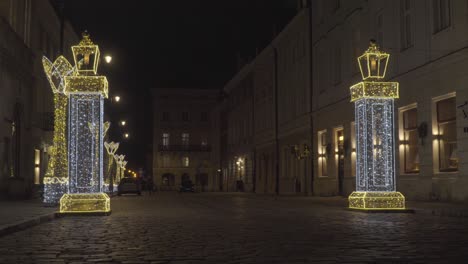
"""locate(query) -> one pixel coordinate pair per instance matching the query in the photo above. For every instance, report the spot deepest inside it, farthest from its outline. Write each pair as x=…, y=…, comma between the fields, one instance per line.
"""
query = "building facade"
x=301, y=98
x=182, y=138
x=29, y=30
x=428, y=58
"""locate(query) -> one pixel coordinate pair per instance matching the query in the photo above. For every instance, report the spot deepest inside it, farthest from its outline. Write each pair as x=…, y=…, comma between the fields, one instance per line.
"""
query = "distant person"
x=150, y=185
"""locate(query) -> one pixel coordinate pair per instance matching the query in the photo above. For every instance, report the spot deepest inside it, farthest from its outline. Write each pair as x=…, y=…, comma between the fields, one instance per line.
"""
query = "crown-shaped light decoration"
x=124, y=163
x=56, y=72
x=111, y=147
x=106, y=128
x=119, y=158
x=86, y=56
x=373, y=63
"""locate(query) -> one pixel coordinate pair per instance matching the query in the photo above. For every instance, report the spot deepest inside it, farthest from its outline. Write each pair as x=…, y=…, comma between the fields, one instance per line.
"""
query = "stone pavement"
x=18, y=215
x=239, y=228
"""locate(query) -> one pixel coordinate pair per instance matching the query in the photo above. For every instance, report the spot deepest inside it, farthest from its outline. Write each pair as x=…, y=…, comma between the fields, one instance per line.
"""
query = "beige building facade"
x=301, y=98
x=427, y=45
x=28, y=30
x=182, y=139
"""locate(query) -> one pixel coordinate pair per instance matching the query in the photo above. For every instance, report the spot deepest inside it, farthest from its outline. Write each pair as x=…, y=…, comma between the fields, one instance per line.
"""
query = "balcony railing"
x=199, y=148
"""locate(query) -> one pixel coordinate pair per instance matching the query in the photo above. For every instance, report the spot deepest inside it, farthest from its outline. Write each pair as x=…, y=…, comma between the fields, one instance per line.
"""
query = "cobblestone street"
x=238, y=228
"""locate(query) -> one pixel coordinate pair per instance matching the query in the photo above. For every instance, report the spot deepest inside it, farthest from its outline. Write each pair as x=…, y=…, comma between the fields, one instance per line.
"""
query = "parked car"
x=129, y=185
x=187, y=186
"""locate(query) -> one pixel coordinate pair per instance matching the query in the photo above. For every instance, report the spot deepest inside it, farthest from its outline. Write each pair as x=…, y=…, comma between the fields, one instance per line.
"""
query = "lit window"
x=185, y=139
x=447, y=135
x=185, y=161
x=410, y=141
x=322, y=151
x=166, y=138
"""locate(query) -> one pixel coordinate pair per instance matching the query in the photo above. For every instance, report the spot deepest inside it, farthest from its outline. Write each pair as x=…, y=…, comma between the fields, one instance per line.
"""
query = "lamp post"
x=302, y=155
x=375, y=154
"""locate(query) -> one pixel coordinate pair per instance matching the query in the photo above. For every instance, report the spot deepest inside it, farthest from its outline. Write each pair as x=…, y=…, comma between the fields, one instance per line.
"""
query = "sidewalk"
x=19, y=215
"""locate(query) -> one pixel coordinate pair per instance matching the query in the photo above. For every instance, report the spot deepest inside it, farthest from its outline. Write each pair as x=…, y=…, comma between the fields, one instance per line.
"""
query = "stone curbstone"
x=19, y=226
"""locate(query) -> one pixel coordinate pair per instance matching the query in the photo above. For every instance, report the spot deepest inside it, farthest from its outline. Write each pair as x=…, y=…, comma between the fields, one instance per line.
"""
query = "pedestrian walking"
x=150, y=185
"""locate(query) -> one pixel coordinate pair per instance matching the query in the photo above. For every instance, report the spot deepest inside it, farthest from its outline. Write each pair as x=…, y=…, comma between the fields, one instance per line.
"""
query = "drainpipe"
x=277, y=156
x=311, y=84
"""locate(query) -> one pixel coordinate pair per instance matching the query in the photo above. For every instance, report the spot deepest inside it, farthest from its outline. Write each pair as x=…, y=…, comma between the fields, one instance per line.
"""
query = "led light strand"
x=375, y=161
x=56, y=177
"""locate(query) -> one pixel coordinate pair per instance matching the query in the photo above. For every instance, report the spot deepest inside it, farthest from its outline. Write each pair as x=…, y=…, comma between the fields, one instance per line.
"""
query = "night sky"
x=171, y=44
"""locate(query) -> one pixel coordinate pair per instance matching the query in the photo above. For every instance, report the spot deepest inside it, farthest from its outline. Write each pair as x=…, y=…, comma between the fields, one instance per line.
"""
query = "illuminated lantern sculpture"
x=86, y=91
x=375, y=155
x=56, y=177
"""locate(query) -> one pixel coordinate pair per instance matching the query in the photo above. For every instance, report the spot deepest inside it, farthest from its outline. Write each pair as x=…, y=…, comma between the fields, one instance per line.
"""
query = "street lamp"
x=117, y=98
x=126, y=135
x=123, y=122
x=108, y=58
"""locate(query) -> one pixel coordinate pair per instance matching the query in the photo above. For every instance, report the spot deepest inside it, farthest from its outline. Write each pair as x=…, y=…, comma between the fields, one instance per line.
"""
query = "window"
x=165, y=161
x=405, y=31
x=165, y=117
x=323, y=71
x=447, y=134
x=380, y=29
x=185, y=116
x=204, y=117
x=441, y=11
x=322, y=153
x=168, y=180
x=337, y=64
x=335, y=5
x=185, y=139
x=185, y=161
x=410, y=141
x=355, y=49
x=165, y=139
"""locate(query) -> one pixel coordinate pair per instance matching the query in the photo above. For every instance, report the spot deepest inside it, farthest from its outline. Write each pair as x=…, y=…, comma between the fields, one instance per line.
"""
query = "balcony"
x=188, y=148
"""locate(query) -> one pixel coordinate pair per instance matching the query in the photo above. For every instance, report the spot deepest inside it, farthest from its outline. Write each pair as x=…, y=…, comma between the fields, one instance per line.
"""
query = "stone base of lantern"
x=378, y=201
x=85, y=204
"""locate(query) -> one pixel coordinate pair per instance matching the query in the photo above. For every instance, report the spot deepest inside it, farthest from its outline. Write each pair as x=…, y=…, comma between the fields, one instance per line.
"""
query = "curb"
x=19, y=226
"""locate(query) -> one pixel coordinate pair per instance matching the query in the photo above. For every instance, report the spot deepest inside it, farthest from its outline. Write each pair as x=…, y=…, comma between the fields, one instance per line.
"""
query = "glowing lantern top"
x=86, y=56
x=373, y=66
x=373, y=63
